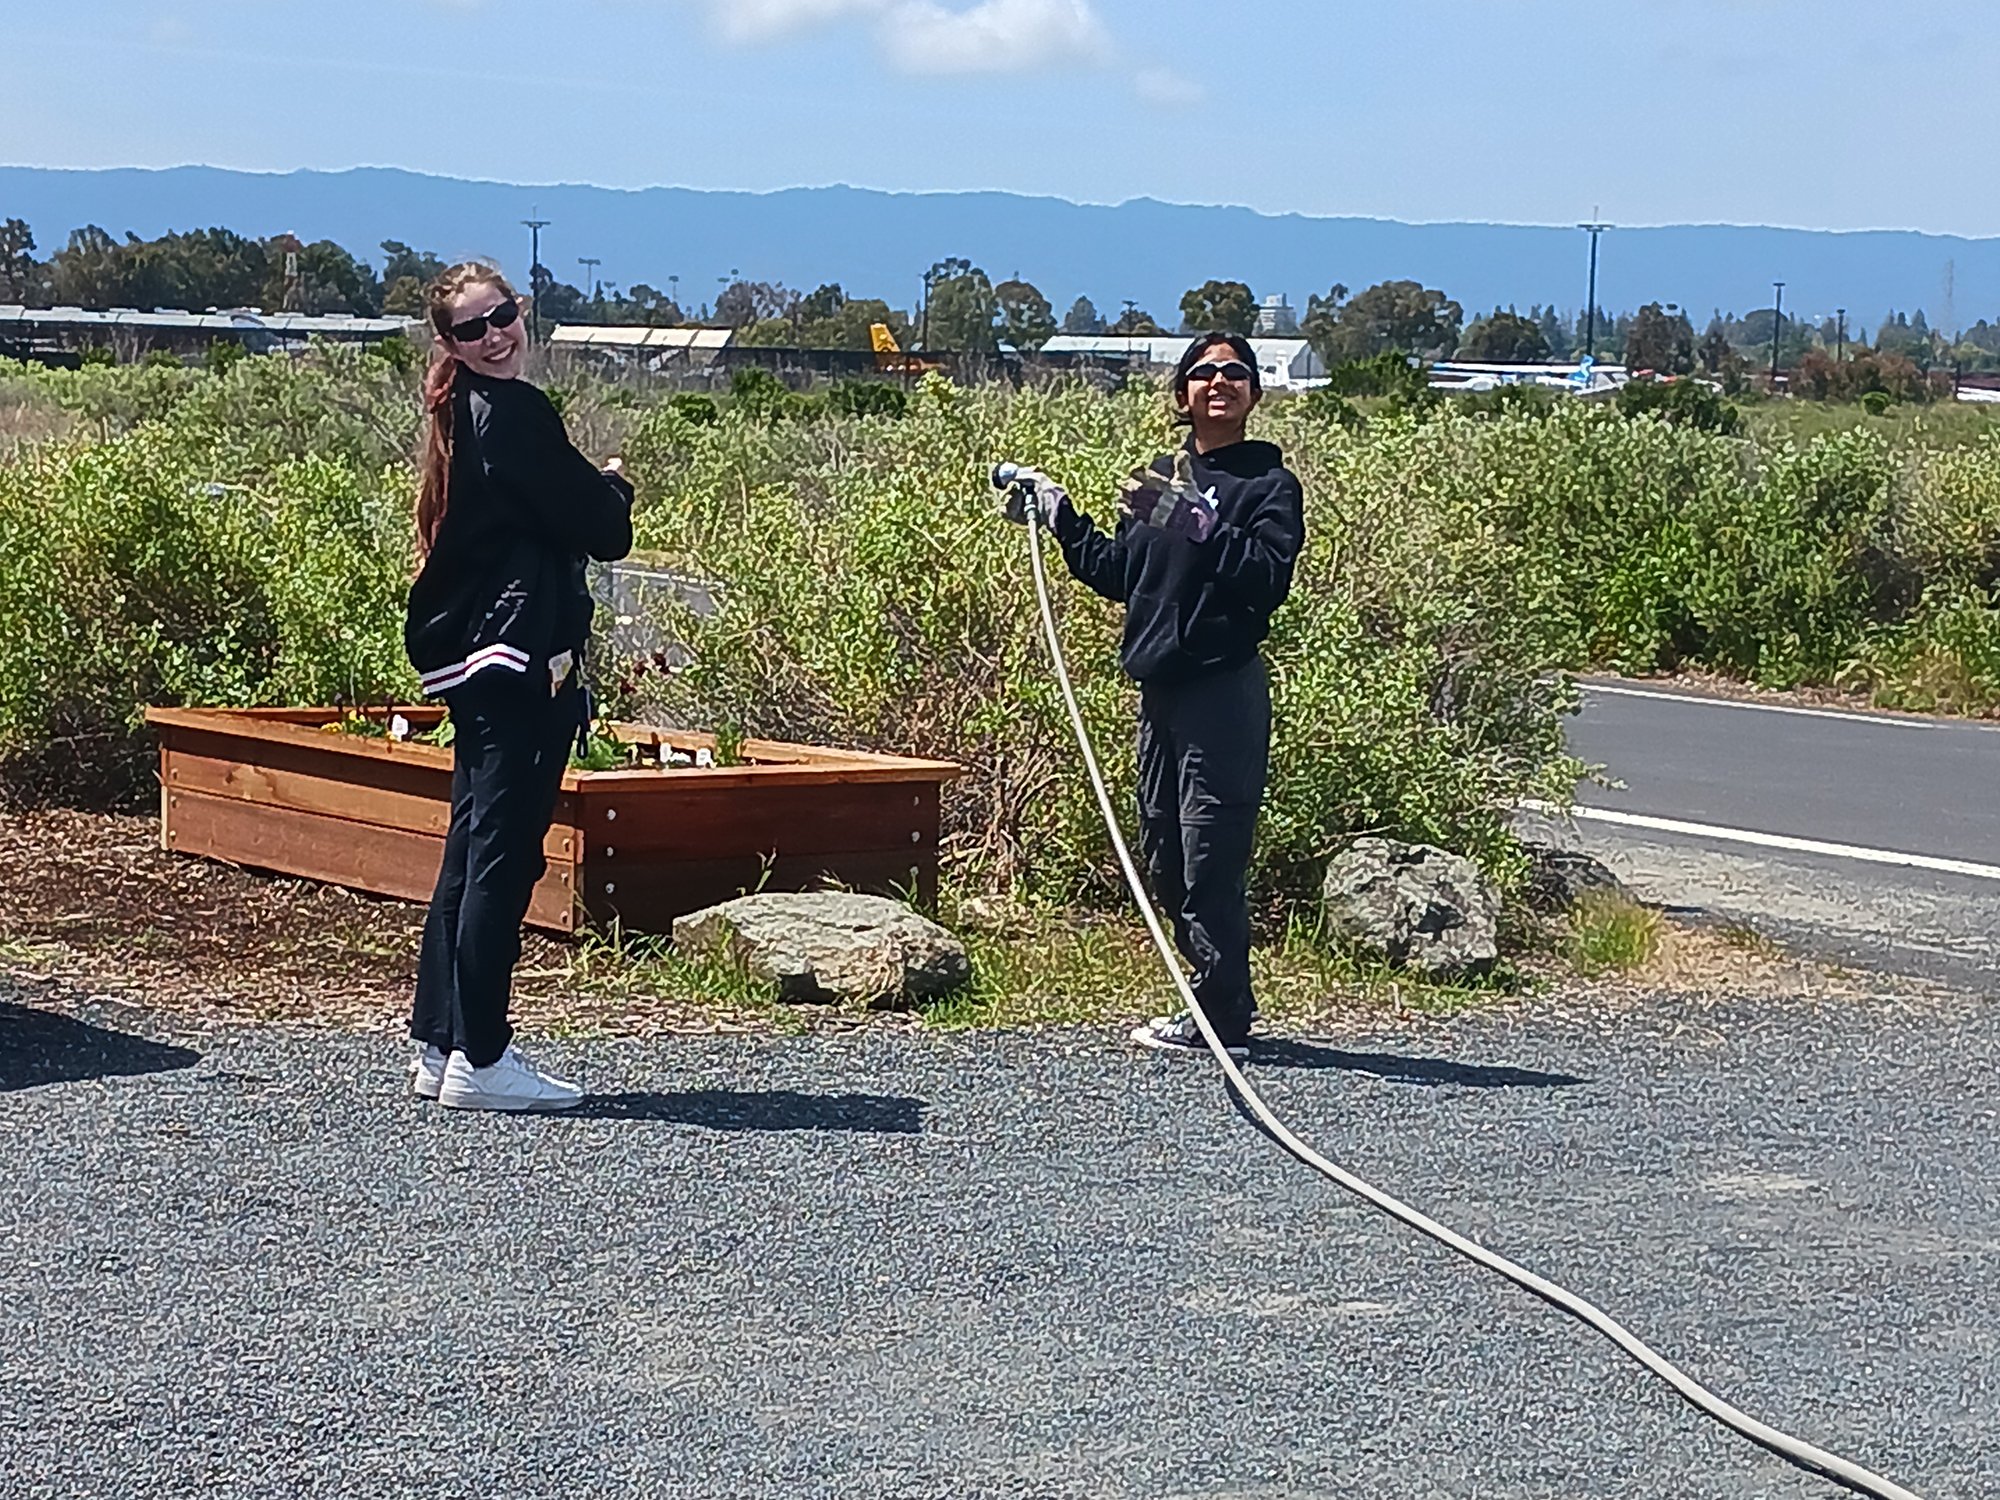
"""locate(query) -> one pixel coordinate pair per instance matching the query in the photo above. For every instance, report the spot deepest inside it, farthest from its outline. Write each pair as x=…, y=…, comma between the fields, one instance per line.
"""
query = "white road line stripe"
x=1882, y=721
x=1780, y=841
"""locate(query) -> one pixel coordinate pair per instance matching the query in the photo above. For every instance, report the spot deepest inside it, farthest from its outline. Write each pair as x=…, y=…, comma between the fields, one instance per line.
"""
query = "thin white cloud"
x=746, y=22
x=1163, y=88
x=994, y=36
x=931, y=37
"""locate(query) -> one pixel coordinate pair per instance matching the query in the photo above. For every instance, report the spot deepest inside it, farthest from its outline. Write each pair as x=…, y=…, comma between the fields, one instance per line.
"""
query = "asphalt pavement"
x=1870, y=839
x=247, y=1264
x=1893, y=782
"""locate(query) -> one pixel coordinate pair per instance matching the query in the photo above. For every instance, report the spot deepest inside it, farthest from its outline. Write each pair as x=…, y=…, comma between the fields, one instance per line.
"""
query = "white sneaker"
x=513, y=1083
x=427, y=1073
x=1180, y=1034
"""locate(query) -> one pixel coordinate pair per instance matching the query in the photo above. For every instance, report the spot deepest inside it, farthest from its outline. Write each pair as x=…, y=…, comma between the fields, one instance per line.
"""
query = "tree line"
x=963, y=309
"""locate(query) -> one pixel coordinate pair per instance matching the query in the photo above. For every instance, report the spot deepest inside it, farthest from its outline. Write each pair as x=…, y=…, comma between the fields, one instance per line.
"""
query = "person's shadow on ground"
x=40, y=1047
x=1429, y=1072
x=767, y=1109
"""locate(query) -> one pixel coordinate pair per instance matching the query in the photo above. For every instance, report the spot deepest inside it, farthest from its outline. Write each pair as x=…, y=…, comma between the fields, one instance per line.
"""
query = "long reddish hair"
x=440, y=385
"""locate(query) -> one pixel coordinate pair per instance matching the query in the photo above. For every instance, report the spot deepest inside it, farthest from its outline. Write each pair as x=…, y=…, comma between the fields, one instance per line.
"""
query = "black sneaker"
x=1180, y=1034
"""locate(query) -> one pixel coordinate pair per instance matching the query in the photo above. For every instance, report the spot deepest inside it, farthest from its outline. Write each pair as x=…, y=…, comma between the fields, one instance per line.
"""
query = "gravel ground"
x=243, y=1262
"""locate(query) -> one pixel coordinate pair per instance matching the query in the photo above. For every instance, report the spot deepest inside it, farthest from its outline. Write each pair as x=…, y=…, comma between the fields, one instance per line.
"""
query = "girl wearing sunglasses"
x=1201, y=558
x=507, y=514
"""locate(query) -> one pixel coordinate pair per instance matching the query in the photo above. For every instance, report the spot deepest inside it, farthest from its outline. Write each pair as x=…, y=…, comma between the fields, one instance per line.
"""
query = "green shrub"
x=1328, y=406
x=397, y=352
x=242, y=536
x=1512, y=400
x=224, y=354
x=129, y=579
x=866, y=398
x=1787, y=577
x=874, y=598
x=1877, y=403
x=693, y=407
x=1685, y=403
x=759, y=395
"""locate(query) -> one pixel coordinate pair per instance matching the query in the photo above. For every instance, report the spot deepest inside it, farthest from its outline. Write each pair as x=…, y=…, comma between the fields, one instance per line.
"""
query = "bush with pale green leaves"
x=873, y=596
x=242, y=536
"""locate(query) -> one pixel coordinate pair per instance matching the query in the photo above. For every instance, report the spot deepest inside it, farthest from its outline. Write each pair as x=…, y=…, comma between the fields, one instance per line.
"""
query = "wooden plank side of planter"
x=646, y=897
x=413, y=798
x=361, y=856
x=304, y=728
x=272, y=789
x=692, y=819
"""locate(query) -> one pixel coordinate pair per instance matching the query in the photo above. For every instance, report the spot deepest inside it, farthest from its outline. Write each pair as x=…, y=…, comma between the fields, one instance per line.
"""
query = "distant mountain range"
x=878, y=244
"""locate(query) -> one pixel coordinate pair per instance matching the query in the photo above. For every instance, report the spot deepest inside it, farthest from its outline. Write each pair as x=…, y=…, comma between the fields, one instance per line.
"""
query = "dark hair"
x=1238, y=345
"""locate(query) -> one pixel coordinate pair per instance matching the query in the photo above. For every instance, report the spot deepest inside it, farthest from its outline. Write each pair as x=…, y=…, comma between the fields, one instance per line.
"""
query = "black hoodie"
x=1192, y=608
x=503, y=587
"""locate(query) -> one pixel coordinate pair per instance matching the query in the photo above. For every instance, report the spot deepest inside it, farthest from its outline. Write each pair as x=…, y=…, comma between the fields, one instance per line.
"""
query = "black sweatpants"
x=1204, y=757
x=510, y=744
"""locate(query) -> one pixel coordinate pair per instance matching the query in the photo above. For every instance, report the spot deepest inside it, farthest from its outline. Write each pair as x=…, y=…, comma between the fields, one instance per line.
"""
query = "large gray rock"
x=1559, y=879
x=831, y=945
x=1420, y=907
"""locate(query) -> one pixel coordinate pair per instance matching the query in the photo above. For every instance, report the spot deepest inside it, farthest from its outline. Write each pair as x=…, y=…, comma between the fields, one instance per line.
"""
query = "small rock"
x=1559, y=879
x=1421, y=907
x=831, y=946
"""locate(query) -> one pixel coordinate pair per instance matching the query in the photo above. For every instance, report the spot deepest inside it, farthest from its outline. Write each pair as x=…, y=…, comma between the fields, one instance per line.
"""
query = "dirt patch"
x=93, y=899
x=90, y=901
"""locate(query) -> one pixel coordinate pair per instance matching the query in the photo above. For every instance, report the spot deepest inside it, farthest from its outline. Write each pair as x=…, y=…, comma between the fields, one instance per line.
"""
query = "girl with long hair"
x=1201, y=557
x=508, y=512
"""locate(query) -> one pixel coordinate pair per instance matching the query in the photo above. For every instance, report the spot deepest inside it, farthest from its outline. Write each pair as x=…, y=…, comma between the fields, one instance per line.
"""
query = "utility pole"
x=1593, y=229
x=593, y=263
x=1777, y=323
x=1840, y=335
x=534, y=226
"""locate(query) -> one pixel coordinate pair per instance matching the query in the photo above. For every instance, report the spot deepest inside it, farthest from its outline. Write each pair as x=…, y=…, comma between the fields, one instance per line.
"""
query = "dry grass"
x=26, y=416
x=92, y=901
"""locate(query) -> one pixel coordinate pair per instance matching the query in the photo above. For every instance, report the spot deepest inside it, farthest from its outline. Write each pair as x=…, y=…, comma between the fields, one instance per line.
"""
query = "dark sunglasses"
x=1229, y=369
x=472, y=330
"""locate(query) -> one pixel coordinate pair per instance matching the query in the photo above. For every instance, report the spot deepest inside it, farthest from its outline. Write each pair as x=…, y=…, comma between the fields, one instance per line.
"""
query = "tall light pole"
x=1840, y=335
x=727, y=282
x=1777, y=323
x=593, y=263
x=1592, y=229
x=535, y=227
x=674, y=294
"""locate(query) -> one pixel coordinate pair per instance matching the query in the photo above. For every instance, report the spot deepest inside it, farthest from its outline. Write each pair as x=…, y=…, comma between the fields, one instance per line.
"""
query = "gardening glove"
x=1172, y=502
x=1031, y=488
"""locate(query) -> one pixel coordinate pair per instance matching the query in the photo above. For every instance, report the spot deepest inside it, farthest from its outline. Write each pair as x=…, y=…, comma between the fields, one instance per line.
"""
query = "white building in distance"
x=1284, y=364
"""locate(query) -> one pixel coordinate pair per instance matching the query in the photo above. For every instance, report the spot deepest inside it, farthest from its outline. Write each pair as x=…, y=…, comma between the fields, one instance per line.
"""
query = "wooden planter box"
x=274, y=789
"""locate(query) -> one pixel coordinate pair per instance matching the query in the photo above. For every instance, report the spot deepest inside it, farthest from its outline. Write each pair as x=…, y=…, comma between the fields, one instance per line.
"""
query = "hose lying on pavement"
x=1813, y=1460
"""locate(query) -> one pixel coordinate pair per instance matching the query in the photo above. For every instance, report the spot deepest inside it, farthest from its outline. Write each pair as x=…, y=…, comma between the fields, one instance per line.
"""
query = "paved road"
x=1887, y=784
x=897, y=1266
x=1891, y=782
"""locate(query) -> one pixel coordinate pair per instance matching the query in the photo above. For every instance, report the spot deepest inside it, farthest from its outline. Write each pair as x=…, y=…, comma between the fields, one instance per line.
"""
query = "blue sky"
x=1815, y=113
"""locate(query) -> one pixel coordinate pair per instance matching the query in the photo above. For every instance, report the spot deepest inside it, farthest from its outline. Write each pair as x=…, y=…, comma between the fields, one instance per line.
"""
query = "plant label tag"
x=559, y=669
